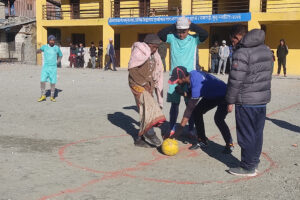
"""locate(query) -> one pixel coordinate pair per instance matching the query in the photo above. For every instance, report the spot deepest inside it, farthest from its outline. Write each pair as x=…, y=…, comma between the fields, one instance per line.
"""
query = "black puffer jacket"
x=249, y=81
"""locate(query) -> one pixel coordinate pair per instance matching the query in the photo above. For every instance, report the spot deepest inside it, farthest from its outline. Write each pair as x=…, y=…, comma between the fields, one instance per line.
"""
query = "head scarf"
x=51, y=37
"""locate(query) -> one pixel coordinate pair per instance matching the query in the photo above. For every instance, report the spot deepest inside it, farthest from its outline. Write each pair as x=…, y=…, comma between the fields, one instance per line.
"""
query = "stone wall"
x=25, y=45
x=2, y=10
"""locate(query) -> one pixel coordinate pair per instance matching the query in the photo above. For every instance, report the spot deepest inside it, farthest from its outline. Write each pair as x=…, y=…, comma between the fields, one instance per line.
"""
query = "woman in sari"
x=145, y=75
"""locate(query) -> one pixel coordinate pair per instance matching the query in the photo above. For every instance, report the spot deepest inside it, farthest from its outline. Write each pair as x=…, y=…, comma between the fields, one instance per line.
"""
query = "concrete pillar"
x=2, y=10
x=108, y=32
x=41, y=31
x=254, y=6
x=106, y=9
x=186, y=7
x=253, y=24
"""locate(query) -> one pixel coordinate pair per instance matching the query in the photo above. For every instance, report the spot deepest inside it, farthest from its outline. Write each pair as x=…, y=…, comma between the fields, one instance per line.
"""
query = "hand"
x=178, y=132
x=230, y=108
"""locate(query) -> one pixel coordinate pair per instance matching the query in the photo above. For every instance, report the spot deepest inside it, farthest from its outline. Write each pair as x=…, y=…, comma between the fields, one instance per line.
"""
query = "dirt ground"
x=81, y=147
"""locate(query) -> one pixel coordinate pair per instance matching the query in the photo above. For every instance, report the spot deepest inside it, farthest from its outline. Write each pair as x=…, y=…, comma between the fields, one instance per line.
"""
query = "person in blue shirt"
x=52, y=58
x=183, y=51
x=206, y=93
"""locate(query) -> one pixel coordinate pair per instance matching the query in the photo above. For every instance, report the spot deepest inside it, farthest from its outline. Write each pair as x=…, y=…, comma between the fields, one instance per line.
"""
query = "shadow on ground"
x=125, y=122
x=285, y=125
x=214, y=150
x=48, y=92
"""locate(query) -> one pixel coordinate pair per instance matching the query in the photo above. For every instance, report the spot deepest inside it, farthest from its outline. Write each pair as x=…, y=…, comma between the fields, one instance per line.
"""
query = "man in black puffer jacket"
x=249, y=88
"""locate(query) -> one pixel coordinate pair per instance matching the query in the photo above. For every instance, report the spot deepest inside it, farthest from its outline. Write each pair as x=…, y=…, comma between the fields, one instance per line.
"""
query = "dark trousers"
x=250, y=122
x=111, y=61
x=80, y=61
x=174, y=110
x=205, y=105
x=214, y=65
x=281, y=61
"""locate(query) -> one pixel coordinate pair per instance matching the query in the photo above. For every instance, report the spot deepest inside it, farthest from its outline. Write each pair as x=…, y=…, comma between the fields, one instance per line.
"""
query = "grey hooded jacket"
x=249, y=81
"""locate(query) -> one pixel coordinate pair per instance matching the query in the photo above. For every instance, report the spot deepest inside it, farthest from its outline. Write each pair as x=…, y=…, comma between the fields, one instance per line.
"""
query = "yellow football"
x=170, y=147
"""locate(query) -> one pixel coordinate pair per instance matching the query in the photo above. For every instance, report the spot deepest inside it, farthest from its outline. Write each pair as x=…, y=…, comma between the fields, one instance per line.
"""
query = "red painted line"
x=283, y=109
x=141, y=165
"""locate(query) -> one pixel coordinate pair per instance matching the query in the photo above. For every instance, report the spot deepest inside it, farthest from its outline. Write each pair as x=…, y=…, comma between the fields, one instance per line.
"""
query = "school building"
x=128, y=21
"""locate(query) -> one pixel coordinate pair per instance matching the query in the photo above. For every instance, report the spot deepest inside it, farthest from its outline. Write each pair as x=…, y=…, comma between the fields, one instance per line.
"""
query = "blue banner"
x=197, y=19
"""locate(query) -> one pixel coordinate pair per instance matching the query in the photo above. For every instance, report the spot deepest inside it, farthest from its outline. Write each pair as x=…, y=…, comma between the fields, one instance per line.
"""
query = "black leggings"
x=205, y=105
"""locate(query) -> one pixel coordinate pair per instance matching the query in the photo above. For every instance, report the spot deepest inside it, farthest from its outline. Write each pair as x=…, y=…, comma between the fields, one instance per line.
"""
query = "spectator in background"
x=223, y=53
x=282, y=52
x=72, y=57
x=110, y=51
x=80, y=55
x=214, y=55
x=100, y=54
x=93, y=53
x=162, y=50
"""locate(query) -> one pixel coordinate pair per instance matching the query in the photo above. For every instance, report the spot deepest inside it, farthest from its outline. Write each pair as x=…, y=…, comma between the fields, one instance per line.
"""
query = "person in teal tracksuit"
x=52, y=57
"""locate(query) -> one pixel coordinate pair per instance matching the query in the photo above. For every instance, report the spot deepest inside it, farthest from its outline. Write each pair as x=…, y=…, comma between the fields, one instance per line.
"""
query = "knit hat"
x=51, y=37
x=182, y=23
x=152, y=39
x=177, y=73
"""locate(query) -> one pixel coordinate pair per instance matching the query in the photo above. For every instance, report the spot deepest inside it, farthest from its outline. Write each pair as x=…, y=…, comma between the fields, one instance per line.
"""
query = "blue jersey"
x=50, y=55
x=206, y=85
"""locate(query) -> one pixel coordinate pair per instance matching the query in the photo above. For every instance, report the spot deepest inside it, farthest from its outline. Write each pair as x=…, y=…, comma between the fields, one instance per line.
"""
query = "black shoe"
x=153, y=139
x=239, y=171
x=141, y=143
x=194, y=146
x=200, y=144
x=228, y=148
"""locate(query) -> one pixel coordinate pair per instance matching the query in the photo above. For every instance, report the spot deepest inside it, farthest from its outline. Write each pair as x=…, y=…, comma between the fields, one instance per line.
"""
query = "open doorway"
x=220, y=33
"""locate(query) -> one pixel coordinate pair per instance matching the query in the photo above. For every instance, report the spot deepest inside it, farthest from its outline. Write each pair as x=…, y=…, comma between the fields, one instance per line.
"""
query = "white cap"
x=224, y=42
x=110, y=39
x=182, y=23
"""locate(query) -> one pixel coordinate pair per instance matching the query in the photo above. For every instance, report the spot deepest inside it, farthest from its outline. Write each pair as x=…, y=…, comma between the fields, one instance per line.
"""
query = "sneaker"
x=43, y=98
x=200, y=144
x=195, y=146
x=52, y=99
x=228, y=148
x=153, y=139
x=141, y=143
x=239, y=171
